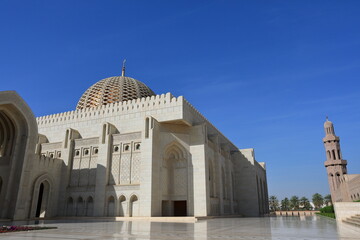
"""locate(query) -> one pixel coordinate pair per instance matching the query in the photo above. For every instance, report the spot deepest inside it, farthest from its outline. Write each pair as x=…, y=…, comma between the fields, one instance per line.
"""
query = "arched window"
x=329, y=154
x=339, y=157
x=333, y=154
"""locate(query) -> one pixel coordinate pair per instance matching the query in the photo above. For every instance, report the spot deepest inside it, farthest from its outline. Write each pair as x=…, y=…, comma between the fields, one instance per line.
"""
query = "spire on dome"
x=123, y=68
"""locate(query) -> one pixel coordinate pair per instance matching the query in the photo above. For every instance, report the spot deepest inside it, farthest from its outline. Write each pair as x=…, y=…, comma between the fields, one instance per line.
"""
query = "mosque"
x=344, y=187
x=124, y=151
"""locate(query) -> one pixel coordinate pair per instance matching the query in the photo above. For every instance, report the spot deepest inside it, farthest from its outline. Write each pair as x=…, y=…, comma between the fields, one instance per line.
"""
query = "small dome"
x=113, y=89
x=328, y=124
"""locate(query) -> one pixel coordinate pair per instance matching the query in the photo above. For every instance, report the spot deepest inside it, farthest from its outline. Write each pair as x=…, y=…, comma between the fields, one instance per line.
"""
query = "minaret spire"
x=123, y=68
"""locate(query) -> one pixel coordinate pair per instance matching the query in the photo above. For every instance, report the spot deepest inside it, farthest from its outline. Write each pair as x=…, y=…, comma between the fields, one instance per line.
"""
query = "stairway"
x=354, y=220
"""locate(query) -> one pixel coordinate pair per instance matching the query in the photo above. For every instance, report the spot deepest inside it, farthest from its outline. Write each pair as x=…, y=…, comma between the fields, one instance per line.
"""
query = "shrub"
x=327, y=209
x=330, y=215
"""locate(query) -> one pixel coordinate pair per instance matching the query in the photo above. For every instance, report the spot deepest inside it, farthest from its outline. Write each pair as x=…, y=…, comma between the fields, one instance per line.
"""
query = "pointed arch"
x=89, y=206
x=111, y=206
x=134, y=206
x=80, y=206
x=174, y=178
x=175, y=149
x=18, y=137
x=42, y=196
x=122, y=206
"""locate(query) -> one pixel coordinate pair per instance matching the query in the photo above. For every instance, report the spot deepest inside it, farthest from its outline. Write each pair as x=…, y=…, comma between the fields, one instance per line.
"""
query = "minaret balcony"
x=335, y=162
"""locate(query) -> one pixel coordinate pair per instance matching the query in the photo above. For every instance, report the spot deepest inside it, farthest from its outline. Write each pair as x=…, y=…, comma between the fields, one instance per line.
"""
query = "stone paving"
x=275, y=228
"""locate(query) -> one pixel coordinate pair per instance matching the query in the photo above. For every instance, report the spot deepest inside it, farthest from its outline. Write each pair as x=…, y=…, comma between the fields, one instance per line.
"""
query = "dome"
x=328, y=123
x=113, y=89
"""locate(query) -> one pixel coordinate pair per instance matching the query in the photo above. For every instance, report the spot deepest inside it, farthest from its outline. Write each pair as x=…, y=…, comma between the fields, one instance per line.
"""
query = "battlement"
x=47, y=162
x=126, y=107
x=131, y=107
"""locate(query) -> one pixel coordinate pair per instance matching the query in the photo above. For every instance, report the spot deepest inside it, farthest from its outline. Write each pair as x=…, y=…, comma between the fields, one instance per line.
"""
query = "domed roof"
x=327, y=123
x=113, y=89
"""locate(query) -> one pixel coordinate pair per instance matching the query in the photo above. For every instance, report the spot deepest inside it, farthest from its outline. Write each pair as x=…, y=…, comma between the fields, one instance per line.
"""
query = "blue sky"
x=266, y=73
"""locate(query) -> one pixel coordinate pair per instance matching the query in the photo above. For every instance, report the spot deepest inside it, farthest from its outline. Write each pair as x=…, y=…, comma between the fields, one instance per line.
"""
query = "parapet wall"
x=126, y=107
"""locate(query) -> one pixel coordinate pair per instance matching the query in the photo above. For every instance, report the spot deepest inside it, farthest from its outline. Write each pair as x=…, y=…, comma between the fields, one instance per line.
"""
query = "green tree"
x=285, y=204
x=318, y=200
x=294, y=203
x=327, y=200
x=273, y=203
x=305, y=203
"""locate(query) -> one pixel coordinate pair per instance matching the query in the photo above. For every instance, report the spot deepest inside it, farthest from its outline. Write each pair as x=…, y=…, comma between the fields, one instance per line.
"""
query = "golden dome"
x=113, y=89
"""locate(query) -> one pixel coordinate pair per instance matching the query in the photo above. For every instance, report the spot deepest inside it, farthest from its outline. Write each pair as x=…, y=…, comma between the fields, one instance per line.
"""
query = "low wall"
x=344, y=210
x=295, y=213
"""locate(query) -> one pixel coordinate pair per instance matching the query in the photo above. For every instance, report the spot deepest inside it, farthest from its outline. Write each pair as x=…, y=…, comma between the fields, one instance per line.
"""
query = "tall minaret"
x=335, y=165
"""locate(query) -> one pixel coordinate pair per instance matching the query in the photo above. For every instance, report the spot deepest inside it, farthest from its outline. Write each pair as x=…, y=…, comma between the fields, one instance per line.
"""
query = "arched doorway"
x=111, y=207
x=42, y=200
x=134, y=206
x=89, y=206
x=80, y=207
x=174, y=181
x=122, y=206
x=18, y=137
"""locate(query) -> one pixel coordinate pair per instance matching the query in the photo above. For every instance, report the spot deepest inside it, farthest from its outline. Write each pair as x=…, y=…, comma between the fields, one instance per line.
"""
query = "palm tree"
x=328, y=200
x=318, y=200
x=304, y=202
x=294, y=203
x=273, y=203
x=285, y=204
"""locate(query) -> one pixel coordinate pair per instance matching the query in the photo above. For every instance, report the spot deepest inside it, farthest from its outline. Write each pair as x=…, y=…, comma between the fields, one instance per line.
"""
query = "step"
x=357, y=224
x=354, y=219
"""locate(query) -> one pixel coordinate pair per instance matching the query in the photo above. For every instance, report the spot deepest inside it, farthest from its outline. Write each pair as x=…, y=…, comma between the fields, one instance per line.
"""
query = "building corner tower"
x=335, y=165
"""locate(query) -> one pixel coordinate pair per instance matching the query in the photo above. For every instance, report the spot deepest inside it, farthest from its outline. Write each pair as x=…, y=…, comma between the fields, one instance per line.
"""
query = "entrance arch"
x=41, y=197
x=18, y=137
x=174, y=181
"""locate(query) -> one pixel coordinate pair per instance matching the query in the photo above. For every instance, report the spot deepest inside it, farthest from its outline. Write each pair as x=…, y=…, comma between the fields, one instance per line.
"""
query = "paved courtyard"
x=291, y=228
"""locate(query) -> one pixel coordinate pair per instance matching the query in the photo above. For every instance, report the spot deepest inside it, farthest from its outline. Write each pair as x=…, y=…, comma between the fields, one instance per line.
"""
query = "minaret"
x=335, y=165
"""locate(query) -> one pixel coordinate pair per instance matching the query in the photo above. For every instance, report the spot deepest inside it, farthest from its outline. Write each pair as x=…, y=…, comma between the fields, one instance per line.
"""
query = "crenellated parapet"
x=126, y=107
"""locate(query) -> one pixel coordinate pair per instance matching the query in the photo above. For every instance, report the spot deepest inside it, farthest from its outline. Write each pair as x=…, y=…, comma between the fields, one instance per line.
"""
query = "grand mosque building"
x=124, y=151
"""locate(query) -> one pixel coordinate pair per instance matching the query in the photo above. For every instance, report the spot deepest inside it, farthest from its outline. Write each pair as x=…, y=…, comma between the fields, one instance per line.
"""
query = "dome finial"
x=123, y=68
x=327, y=118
